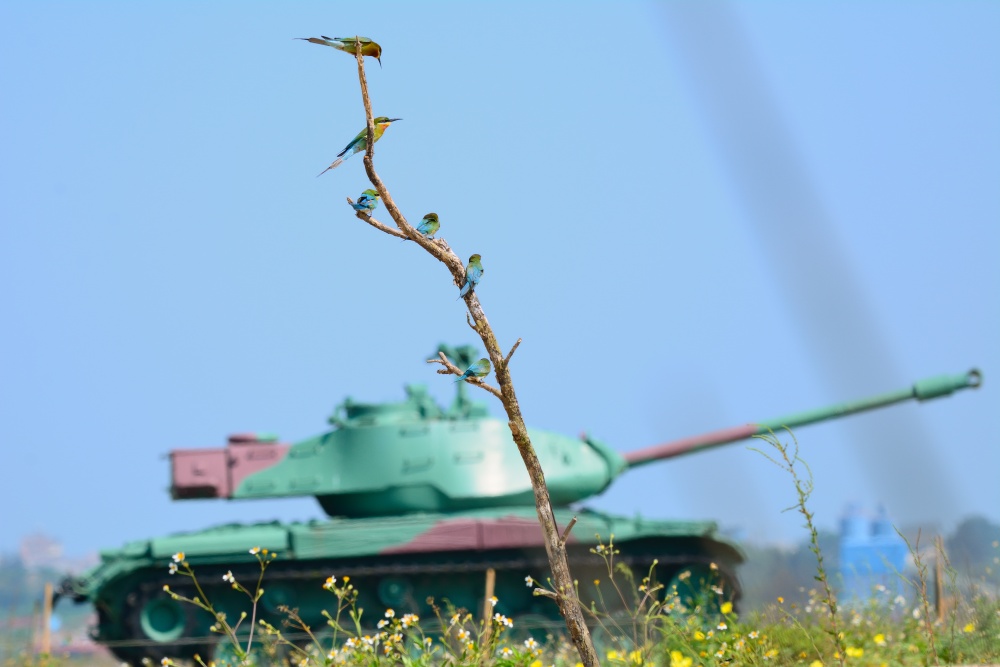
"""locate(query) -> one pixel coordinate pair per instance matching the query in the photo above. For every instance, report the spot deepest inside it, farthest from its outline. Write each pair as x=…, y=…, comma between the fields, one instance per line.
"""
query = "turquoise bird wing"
x=356, y=144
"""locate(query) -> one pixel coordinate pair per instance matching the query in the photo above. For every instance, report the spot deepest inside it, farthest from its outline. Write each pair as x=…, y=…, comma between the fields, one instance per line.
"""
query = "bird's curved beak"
x=393, y=120
x=379, y=62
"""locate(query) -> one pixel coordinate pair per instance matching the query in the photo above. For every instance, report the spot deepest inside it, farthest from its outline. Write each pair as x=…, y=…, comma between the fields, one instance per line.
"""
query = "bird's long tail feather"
x=336, y=163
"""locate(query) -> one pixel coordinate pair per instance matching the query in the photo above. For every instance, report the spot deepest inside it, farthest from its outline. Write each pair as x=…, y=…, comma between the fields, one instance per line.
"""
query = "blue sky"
x=694, y=215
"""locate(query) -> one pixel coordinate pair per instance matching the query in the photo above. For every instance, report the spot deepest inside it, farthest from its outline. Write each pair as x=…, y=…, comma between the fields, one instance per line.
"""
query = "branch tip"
x=569, y=527
x=510, y=354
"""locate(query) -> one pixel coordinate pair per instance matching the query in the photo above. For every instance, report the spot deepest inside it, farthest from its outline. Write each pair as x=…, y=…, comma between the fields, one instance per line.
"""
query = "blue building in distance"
x=872, y=554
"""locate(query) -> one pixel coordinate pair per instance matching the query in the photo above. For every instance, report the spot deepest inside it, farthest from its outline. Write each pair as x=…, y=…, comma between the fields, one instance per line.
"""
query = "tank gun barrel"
x=923, y=390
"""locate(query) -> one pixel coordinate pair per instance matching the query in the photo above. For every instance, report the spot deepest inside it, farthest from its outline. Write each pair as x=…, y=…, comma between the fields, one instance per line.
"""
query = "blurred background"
x=696, y=215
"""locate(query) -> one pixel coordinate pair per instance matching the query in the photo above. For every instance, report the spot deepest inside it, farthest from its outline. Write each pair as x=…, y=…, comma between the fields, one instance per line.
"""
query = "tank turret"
x=429, y=459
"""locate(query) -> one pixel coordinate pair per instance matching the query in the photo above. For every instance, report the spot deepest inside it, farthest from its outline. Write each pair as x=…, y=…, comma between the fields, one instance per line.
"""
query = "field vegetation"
x=802, y=625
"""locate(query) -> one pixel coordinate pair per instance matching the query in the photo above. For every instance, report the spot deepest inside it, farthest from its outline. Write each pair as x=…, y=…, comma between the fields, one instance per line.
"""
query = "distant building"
x=38, y=551
x=872, y=557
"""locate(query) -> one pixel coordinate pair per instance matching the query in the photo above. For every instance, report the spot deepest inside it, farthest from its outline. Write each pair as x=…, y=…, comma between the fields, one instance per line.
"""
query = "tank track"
x=366, y=572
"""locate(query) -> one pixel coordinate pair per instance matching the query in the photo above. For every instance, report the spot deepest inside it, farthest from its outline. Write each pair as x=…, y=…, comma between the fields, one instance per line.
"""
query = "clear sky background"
x=694, y=215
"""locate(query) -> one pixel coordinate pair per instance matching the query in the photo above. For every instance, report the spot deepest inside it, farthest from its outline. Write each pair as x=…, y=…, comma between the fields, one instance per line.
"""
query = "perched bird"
x=367, y=202
x=473, y=274
x=360, y=142
x=349, y=45
x=429, y=225
x=480, y=369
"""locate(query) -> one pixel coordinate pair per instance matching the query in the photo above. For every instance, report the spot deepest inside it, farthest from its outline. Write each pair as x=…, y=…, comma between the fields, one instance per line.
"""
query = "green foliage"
x=789, y=461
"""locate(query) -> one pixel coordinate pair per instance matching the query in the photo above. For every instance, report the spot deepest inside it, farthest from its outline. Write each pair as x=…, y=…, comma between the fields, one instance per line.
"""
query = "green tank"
x=422, y=501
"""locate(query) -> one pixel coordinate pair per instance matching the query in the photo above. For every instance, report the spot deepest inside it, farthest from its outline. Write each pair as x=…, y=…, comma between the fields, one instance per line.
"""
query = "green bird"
x=360, y=142
x=473, y=274
x=367, y=202
x=429, y=225
x=349, y=45
x=480, y=369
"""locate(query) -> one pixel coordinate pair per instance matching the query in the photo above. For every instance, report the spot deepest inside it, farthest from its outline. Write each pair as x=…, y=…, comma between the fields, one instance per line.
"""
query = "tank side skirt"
x=318, y=572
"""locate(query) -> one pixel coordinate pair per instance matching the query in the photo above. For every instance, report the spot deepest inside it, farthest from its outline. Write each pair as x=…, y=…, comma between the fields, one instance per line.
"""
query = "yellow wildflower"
x=726, y=608
x=969, y=627
x=699, y=635
x=635, y=657
x=815, y=663
x=677, y=659
x=854, y=652
x=879, y=639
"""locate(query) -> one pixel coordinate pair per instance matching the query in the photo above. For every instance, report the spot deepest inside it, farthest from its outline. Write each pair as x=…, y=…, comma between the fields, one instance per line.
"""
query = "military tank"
x=422, y=501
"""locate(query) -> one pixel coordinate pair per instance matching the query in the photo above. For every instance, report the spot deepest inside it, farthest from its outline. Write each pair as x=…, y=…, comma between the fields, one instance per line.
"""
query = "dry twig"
x=506, y=362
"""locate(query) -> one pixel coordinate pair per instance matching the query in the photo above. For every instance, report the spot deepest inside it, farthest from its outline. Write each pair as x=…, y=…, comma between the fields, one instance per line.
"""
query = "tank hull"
x=394, y=562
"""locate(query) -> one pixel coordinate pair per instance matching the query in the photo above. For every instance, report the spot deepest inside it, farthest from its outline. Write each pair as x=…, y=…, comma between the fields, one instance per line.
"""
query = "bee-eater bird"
x=429, y=225
x=360, y=142
x=349, y=45
x=367, y=202
x=480, y=369
x=473, y=274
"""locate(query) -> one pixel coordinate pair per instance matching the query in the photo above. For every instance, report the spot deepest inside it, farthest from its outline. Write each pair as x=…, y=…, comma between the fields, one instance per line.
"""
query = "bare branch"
x=569, y=604
x=506, y=361
x=381, y=226
x=565, y=535
x=364, y=94
x=438, y=248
